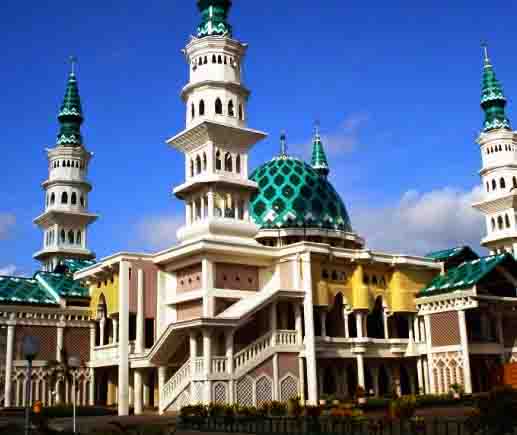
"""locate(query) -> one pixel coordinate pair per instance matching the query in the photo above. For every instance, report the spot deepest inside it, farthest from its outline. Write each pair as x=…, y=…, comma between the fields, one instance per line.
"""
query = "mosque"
x=269, y=293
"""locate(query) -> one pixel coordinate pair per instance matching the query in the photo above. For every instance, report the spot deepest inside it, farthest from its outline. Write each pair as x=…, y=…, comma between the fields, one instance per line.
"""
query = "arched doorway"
x=335, y=322
x=375, y=320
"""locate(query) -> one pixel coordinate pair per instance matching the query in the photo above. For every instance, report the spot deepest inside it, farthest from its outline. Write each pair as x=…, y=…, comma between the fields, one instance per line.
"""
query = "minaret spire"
x=283, y=143
x=319, y=158
x=493, y=101
x=71, y=114
x=214, y=16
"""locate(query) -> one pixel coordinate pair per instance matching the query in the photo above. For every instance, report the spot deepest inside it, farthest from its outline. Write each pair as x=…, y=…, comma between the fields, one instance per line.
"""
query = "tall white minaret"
x=498, y=145
x=216, y=142
x=66, y=218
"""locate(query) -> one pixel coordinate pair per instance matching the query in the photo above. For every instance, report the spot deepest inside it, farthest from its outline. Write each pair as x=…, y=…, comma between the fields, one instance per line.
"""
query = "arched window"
x=71, y=237
x=52, y=198
x=514, y=180
x=220, y=59
x=366, y=279
x=218, y=107
x=231, y=112
x=206, y=60
x=191, y=168
x=500, y=147
x=193, y=111
x=494, y=185
x=63, y=236
x=78, y=238
x=325, y=274
x=204, y=162
x=502, y=184
x=214, y=59
x=334, y=275
x=198, y=165
x=81, y=201
x=507, y=221
x=238, y=164
x=202, y=108
x=225, y=60
x=500, y=223
x=73, y=198
x=493, y=224
x=241, y=113
x=64, y=198
x=68, y=163
x=487, y=187
x=228, y=164
x=218, y=160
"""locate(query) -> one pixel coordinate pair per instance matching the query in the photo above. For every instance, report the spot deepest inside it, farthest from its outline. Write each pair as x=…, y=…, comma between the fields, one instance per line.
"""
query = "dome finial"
x=73, y=63
x=486, y=58
x=283, y=143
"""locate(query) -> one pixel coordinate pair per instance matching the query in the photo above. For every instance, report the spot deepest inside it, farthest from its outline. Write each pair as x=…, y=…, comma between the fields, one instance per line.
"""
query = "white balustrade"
x=197, y=365
x=219, y=364
x=108, y=352
x=285, y=338
x=172, y=386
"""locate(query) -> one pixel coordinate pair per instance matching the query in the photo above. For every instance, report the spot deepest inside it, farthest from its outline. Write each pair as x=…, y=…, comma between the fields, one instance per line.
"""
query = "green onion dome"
x=292, y=194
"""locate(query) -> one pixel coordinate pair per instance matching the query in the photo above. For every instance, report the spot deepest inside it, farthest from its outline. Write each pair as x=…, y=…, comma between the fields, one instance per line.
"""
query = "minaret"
x=66, y=218
x=498, y=144
x=216, y=141
x=319, y=158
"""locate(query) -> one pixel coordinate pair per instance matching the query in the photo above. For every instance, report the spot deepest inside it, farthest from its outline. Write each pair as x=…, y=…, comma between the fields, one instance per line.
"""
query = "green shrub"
x=375, y=403
x=278, y=408
x=216, y=410
x=294, y=407
x=194, y=411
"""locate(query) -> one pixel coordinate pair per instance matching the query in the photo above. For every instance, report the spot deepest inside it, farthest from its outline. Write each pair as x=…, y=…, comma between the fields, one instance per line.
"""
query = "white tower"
x=216, y=142
x=66, y=218
x=498, y=144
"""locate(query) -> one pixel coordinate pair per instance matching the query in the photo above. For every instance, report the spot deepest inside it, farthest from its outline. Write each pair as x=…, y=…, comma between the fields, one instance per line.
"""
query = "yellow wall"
x=109, y=290
x=397, y=286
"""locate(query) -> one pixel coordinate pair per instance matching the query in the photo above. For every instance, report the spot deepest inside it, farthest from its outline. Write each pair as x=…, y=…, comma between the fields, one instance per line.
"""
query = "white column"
x=123, y=344
x=410, y=328
x=426, y=376
x=310, y=342
x=147, y=389
x=9, y=356
x=298, y=323
x=207, y=284
x=114, y=322
x=91, y=393
x=188, y=213
x=465, y=350
x=137, y=388
x=301, y=377
x=360, y=370
x=276, y=393
x=207, y=361
x=420, y=387
x=92, y=340
x=416, y=328
x=428, y=339
x=229, y=363
x=102, y=326
x=345, y=321
x=385, y=320
x=210, y=195
x=60, y=342
x=323, y=320
x=140, y=314
x=359, y=324
x=162, y=379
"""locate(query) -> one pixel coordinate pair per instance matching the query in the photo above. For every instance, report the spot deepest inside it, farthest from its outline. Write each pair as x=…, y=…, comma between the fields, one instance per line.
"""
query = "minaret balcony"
x=65, y=217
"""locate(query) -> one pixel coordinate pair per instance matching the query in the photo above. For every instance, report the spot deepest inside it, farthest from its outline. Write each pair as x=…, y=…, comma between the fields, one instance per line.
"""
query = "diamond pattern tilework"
x=245, y=392
x=288, y=388
x=264, y=390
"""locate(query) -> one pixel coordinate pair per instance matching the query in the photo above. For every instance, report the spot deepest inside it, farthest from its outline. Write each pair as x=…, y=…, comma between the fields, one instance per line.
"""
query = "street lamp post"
x=74, y=363
x=30, y=348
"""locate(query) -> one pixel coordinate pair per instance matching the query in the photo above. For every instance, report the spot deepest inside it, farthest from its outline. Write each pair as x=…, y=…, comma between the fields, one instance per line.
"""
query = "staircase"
x=175, y=385
x=247, y=306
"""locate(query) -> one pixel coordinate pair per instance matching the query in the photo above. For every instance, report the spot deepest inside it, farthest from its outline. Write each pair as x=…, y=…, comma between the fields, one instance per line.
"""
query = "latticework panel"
x=245, y=392
x=264, y=390
x=288, y=388
x=197, y=392
x=220, y=393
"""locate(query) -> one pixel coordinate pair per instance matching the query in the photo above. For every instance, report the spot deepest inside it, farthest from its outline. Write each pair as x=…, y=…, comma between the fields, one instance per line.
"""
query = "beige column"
x=114, y=322
x=229, y=364
x=147, y=389
x=140, y=314
x=60, y=340
x=345, y=321
x=211, y=204
x=207, y=362
x=420, y=380
x=123, y=344
x=9, y=357
x=465, y=351
x=102, y=326
x=137, y=388
x=359, y=324
x=162, y=379
x=428, y=339
x=298, y=325
x=91, y=393
x=301, y=371
x=92, y=341
x=426, y=375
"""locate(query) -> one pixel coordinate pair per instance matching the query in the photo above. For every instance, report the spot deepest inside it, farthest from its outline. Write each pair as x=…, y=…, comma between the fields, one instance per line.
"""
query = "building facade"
x=269, y=293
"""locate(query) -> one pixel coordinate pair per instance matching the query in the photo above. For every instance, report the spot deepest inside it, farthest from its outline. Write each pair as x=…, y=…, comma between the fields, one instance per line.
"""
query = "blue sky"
x=395, y=85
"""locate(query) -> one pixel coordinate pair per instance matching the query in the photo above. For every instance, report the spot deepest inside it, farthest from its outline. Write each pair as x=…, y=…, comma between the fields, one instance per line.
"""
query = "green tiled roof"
x=74, y=265
x=465, y=275
x=447, y=254
x=214, y=18
x=70, y=115
x=63, y=284
x=17, y=290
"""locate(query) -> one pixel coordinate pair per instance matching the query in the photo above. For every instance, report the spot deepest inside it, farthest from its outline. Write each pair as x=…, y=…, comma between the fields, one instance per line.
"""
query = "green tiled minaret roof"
x=214, y=16
x=70, y=115
x=319, y=158
x=493, y=101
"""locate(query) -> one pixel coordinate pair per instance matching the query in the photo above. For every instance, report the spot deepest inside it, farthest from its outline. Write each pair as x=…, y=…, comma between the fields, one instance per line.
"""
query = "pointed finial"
x=317, y=128
x=486, y=59
x=283, y=143
x=73, y=63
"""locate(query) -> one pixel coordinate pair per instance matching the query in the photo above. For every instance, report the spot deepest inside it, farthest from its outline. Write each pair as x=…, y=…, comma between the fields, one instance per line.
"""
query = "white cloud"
x=159, y=232
x=10, y=269
x=423, y=222
x=7, y=221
